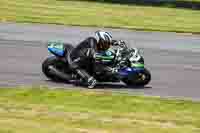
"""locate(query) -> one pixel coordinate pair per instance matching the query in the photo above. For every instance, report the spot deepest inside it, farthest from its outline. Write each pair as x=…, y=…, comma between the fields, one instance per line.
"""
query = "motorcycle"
x=128, y=65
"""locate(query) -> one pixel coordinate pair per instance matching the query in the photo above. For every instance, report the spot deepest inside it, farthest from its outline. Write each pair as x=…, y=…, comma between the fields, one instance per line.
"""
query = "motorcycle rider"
x=82, y=57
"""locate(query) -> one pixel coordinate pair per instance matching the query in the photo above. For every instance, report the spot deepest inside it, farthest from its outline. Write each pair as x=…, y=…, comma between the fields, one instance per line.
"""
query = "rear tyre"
x=142, y=79
x=56, y=64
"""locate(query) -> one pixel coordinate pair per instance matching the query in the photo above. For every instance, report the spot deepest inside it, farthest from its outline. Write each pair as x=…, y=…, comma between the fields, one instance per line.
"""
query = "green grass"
x=41, y=110
x=100, y=14
x=189, y=0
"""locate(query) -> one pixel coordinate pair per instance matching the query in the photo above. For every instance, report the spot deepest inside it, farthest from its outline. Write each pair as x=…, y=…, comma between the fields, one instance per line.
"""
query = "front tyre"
x=142, y=79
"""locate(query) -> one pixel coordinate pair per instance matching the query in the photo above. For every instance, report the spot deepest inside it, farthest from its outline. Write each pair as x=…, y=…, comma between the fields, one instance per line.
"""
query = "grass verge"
x=100, y=14
x=43, y=110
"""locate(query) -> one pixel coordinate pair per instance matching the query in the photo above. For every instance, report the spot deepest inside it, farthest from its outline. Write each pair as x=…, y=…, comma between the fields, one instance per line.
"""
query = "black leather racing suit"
x=82, y=58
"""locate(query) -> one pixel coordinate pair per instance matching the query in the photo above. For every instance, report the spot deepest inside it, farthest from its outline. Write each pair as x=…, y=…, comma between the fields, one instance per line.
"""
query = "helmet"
x=104, y=40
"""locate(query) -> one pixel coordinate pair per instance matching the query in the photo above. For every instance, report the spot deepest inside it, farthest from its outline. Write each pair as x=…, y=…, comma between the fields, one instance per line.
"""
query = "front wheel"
x=141, y=79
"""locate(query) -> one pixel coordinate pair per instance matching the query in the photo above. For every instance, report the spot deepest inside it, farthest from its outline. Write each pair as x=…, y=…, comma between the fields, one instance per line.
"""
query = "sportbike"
x=128, y=65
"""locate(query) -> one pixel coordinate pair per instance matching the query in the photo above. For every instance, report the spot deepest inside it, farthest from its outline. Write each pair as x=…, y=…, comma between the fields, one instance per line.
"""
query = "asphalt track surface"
x=173, y=59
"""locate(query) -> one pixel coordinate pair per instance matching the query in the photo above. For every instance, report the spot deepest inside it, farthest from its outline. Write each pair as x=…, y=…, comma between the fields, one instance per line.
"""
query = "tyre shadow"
x=119, y=86
x=106, y=86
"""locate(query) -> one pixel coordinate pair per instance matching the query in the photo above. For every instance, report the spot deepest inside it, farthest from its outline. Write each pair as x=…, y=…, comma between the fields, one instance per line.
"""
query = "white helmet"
x=104, y=39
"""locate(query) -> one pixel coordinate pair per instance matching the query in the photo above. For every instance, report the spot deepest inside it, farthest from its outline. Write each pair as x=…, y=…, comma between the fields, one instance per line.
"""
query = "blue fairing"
x=58, y=52
x=130, y=70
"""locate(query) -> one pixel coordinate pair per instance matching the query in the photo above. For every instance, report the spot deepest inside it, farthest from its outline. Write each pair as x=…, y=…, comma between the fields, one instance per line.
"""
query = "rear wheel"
x=142, y=79
x=57, y=65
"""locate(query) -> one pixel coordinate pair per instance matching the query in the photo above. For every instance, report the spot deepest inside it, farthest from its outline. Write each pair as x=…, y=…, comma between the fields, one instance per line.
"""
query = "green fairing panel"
x=138, y=65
